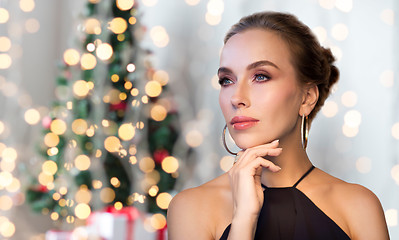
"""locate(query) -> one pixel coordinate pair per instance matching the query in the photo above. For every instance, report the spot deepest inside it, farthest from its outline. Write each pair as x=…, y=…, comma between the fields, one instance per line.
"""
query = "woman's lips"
x=243, y=122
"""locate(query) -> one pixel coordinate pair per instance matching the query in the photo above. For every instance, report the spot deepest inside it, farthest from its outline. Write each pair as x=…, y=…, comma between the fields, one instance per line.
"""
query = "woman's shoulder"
x=356, y=207
x=197, y=210
x=215, y=188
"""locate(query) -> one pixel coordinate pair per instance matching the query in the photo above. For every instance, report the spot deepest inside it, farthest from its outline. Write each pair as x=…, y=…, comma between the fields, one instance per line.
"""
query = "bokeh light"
x=395, y=173
x=212, y=20
x=32, y=116
x=124, y=5
x=349, y=131
x=349, y=99
x=8, y=153
x=149, y=3
x=353, y=118
x=192, y=2
x=112, y=144
x=395, y=130
x=321, y=34
x=118, y=205
x=118, y=25
x=146, y=164
x=159, y=36
x=51, y=139
x=5, y=203
x=115, y=182
x=388, y=16
x=58, y=126
x=163, y=200
x=126, y=131
x=5, y=179
x=153, y=88
x=45, y=179
x=330, y=109
x=158, y=112
x=79, y=126
x=104, y=51
x=226, y=163
x=215, y=7
x=161, y=76
x=27, y=5
x=344, y=5
x=91, y=47
x=14, y=186
x=5, y=61
x=363, y=164
x=88, y=61
x=194, y=138
x=32, y=25
x=340, y=31
x=82, y=162
x=130, y=67
x=2, y=127
x=387, y=78
x=158, y=221
x=71, y=56
x=337, y=52
x=170, y=164
x=391, y=217
x=327, y=4
x=5, y=44
x=92, y=26
x=153, y=191
x=4, y=15
x=107, y=195
x=82, y=211
x=49, y=167
x=7, y=228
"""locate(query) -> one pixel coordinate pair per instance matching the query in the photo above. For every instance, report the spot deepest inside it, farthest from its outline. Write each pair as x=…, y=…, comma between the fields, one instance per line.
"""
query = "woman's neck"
x=293, y=161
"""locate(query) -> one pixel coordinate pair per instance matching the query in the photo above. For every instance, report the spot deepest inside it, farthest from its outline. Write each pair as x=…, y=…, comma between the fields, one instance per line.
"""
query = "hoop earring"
x=224, y=141
x=304, y=131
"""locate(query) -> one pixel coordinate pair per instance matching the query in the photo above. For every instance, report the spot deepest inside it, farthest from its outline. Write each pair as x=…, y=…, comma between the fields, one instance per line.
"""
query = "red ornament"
x=46, y=122
x=159, y=155
x=118, y=106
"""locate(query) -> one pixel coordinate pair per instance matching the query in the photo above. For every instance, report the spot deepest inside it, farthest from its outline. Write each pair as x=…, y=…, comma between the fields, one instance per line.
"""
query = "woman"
x=274, y=78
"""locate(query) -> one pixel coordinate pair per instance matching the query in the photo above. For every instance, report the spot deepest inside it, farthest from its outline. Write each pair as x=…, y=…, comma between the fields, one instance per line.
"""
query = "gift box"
x=113, y=224
x=58, y=235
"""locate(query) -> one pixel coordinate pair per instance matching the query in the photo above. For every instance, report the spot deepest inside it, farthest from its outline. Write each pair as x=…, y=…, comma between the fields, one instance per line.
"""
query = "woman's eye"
x=225, y=81
x=261, y=77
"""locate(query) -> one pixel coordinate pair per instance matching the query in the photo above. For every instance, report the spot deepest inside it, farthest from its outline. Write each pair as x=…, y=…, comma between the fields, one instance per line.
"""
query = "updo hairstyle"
x=312, y=62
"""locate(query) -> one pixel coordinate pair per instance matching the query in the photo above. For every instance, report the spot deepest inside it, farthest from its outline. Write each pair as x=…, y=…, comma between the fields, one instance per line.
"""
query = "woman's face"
x=260, y=96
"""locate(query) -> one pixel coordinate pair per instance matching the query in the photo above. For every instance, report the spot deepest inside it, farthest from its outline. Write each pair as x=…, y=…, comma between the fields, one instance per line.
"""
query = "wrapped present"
x=58, y=235
x=113, y=224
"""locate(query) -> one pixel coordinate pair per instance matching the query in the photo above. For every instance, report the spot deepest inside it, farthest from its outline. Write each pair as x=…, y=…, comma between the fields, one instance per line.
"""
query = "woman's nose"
x=240, y=97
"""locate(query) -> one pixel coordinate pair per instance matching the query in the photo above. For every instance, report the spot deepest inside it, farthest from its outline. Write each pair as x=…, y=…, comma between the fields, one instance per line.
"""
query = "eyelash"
x=223, y=80
x=262, y=75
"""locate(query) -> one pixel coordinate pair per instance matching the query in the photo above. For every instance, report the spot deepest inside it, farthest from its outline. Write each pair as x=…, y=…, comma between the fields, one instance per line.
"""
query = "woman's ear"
x=309, y=100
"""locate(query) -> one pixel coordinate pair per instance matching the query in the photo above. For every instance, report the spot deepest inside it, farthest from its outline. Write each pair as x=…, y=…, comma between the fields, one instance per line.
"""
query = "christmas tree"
x=110, y=134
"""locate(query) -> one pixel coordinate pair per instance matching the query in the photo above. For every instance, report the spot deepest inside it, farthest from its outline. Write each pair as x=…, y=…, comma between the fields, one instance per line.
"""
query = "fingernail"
x=278, y=168
x=276, y=141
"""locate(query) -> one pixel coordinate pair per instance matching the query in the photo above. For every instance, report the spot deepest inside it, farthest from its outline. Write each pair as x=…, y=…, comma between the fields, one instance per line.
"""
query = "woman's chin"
x=247, y=145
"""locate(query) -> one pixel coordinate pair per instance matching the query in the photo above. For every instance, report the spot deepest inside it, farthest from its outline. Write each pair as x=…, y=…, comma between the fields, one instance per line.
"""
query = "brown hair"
x=313, y=63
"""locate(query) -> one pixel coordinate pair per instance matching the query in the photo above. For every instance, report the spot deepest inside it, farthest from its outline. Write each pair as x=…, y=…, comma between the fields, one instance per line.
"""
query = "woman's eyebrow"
x=261, y=63
x=250, y=66
x=224, y=70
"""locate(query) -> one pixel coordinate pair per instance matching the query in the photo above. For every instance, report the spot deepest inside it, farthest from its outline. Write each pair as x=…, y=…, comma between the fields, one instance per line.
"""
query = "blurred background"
x=110, y=108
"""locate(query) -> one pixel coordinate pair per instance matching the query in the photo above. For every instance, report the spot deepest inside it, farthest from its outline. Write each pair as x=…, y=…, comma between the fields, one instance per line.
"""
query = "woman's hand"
x=245, y=180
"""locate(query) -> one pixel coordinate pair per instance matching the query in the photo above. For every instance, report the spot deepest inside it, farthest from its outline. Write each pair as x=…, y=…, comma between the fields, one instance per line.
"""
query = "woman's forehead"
x=255, y=45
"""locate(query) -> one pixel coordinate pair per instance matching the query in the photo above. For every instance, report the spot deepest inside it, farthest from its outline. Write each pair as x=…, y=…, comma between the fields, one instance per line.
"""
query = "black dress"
x=288, y=214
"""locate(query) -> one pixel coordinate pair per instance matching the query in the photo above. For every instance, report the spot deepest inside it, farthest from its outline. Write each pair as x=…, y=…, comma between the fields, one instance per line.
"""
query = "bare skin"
x=259, y=81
